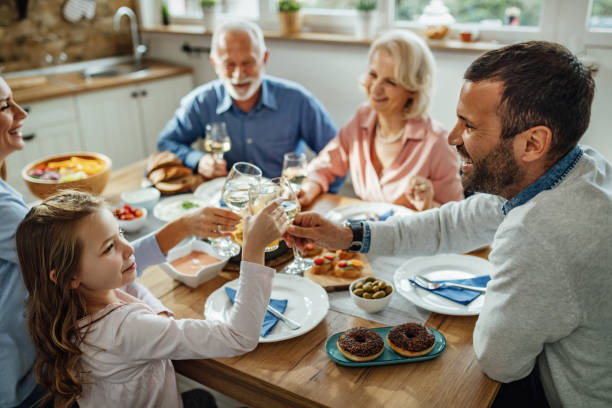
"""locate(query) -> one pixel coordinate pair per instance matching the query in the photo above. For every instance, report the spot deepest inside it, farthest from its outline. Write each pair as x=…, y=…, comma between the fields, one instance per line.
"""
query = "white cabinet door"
x=158, y=102
x=110, y=124
x=44, y=141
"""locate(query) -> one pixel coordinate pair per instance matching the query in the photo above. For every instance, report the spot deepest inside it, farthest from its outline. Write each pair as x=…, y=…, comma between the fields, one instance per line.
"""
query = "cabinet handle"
x=134, y=94
x=143, y=93
x=29, y=137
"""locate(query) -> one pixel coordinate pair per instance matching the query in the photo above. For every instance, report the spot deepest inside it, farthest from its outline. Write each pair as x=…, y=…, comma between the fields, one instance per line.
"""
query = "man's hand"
x=310, y=190
x=312, y=227
x=209, y=167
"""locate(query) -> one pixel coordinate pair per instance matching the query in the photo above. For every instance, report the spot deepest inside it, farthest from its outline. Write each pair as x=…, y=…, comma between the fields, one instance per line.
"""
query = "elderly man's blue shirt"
x=285, y=117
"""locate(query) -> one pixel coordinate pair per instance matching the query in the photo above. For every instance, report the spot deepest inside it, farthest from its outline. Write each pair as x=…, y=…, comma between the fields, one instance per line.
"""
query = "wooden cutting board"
x=332, y=283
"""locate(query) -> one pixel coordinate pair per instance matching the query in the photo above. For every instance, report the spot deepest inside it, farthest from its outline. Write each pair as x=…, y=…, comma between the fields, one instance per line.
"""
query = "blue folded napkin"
x=269, y=320
x=463, y=296
x=381, y=217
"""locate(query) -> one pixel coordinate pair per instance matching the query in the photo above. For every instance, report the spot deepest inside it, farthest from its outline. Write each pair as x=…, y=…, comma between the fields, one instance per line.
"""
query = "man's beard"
x=255, y=83
x=497, y=173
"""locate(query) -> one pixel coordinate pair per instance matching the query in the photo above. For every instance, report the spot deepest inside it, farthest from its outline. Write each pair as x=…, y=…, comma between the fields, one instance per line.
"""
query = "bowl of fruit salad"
x=130, y=219
x=79, y=171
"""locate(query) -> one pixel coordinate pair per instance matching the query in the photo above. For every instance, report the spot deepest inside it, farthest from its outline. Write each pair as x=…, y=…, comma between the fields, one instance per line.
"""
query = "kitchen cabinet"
x=124, y=122
x=51, y=128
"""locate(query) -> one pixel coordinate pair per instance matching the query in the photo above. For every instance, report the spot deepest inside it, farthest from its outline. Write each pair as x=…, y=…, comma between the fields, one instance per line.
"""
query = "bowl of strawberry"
x=130, y=218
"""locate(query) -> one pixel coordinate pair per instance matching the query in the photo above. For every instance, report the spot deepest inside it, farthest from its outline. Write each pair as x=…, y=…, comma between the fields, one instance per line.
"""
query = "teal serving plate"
x=388, y=356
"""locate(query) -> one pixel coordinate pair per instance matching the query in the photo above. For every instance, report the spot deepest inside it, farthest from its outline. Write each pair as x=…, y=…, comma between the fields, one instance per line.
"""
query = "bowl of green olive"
x=371, y=294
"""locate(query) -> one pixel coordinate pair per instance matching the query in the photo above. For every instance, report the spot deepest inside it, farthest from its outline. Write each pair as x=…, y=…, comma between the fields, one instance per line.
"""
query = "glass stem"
x=296, y=254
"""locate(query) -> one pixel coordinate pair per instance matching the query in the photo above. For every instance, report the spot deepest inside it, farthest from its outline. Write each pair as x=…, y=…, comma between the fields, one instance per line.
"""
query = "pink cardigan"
x=425, y=152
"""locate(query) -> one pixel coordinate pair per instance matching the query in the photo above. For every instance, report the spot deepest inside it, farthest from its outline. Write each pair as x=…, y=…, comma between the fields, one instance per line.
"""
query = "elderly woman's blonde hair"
x=414, y=67
x=237, y=26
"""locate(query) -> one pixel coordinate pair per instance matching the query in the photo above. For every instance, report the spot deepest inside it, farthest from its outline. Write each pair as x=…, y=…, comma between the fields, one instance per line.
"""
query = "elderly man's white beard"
x=240, y=95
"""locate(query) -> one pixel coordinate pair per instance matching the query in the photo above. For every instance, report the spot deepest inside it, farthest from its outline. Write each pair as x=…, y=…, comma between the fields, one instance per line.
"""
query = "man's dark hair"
x=544, y=84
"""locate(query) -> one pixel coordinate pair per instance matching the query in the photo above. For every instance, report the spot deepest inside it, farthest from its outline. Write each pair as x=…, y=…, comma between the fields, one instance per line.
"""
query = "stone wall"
x=44, y=37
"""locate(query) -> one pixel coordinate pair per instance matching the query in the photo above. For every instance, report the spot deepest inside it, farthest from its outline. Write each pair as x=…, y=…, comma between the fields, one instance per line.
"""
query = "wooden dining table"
x=298, y=373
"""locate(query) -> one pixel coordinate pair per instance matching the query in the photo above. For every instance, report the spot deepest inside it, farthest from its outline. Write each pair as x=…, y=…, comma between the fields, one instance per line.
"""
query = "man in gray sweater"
x=546, y=211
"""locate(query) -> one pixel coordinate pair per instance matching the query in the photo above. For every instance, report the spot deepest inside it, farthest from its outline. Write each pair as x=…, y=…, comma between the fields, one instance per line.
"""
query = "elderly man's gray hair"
x=239, y=26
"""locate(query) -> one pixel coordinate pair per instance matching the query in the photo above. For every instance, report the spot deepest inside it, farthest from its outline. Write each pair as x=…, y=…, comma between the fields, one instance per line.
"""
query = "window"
x=487, y=12
x=601, y=14
x=185, y=11
x=328, y=4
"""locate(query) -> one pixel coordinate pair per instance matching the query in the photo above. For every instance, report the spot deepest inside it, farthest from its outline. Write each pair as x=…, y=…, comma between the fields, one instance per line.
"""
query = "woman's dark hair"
x=544, y=85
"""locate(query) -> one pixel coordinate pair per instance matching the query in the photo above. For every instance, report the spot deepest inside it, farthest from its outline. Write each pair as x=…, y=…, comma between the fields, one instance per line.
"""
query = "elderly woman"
x=18, y=386
x=394, y=151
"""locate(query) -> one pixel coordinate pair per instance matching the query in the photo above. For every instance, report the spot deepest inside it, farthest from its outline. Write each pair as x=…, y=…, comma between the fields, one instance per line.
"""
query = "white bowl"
x=141, y=197
x=370, y=305
x=135, y=224
x=205, y=274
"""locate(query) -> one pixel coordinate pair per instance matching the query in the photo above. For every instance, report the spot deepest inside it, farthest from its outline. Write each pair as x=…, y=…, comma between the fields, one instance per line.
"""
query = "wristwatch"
x=357, y=244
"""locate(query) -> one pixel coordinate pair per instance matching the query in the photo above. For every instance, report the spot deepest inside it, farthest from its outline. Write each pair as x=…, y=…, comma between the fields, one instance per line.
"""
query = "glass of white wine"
x=235, y=194
x=294, y=169
x=291, y=205
x=217, y=141
x=260, y=196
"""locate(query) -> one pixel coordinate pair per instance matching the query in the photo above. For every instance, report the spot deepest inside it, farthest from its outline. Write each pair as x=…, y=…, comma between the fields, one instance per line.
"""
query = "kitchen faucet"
x=139, y=49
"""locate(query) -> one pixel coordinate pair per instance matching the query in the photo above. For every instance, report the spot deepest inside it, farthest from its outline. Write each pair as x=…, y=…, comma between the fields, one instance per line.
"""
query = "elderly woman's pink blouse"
x=425, y=153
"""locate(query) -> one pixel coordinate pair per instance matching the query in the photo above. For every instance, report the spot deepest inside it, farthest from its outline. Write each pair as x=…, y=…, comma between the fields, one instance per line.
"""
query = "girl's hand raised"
x=261, y=229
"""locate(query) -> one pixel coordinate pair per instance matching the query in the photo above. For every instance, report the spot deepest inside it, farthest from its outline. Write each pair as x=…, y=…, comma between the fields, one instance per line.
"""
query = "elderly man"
x=547, y=315
x=266, y=117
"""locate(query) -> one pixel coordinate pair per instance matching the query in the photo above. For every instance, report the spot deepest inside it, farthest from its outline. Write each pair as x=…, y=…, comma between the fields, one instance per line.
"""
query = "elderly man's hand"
x=312, y=227
x=209, y=167
x=310, y=190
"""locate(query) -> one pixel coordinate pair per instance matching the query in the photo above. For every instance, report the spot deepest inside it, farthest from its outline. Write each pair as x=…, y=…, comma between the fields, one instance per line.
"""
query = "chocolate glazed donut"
x=411, y=339
x=361, y=344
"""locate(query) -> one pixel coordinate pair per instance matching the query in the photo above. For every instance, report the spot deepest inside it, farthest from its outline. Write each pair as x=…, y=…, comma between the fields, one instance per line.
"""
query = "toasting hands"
x=312, y=227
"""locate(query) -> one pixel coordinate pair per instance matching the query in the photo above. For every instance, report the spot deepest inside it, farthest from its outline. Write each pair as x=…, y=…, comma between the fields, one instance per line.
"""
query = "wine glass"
x=259, y=197
x=235, y=194
x=291, y=205
x=217, y=140
x=294, y=169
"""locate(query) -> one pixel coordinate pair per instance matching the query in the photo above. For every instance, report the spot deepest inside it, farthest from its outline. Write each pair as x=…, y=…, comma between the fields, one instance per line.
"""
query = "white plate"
x=307, y=304
x=441, y=267
x=361, y=210
x=169, y=209
x=210, y=191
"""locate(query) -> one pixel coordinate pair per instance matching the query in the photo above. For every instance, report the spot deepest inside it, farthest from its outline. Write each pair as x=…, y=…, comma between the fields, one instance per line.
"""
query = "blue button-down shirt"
x=285, y=116
x=546, y=181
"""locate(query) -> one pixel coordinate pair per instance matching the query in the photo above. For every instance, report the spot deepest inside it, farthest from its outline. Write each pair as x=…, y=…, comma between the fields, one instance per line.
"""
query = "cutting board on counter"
x=332, y=283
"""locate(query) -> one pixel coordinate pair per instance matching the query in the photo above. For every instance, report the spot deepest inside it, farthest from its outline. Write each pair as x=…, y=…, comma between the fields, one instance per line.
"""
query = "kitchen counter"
x=72, y=83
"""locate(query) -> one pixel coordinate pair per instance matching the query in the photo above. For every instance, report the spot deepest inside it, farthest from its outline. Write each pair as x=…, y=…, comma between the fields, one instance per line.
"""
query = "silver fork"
x=428, y=284
x=293, y=325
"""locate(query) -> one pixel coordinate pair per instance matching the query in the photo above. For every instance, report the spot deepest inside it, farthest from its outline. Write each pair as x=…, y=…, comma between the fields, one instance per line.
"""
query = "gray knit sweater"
x=550, y=295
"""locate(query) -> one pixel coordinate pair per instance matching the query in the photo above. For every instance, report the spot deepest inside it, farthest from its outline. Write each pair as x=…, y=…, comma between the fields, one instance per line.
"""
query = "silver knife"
x=290, y=323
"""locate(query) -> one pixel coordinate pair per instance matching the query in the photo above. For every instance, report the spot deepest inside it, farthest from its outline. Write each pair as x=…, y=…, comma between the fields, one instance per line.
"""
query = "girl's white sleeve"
x=141, y=335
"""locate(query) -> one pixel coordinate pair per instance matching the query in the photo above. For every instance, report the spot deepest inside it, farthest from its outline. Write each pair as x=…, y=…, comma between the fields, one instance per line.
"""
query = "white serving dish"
x=142, y=197
x=134, y=224
x=370, y=305
x=205, y=274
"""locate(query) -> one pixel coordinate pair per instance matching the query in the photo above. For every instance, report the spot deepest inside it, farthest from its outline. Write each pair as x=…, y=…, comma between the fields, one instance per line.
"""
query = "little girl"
x=104, y=340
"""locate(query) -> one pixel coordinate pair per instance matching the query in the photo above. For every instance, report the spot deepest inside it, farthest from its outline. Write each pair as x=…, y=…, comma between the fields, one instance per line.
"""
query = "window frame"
x=565, y=22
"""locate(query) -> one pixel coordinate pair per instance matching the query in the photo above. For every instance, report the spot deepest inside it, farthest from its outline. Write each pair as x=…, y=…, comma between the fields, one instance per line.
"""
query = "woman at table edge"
x=17, y=355
x=394, y=151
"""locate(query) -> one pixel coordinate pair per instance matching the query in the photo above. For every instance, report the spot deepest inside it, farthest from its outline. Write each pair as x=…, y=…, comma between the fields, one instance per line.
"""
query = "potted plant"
x=366, y=24
x=209, y=13
x=289, y=16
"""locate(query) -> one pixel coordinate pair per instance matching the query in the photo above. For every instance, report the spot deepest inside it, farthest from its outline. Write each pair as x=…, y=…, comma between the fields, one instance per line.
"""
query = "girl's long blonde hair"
x=47, y=241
